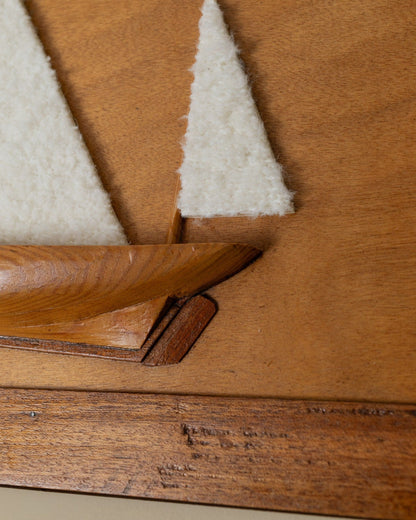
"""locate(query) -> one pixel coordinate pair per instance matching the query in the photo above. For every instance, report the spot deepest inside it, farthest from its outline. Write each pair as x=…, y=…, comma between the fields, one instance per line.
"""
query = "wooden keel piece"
x=160, y=327
x=72, y=349
x=181, y=333
x=170, y=340
x=117, y=335
x=125, y=328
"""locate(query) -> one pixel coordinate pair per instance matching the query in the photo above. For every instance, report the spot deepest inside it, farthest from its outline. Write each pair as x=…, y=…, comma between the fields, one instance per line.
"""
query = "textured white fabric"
x=49, y=190
x=228, y=167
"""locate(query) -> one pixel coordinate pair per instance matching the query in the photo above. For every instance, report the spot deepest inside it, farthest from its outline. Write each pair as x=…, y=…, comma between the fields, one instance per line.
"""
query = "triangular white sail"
x=49, y=190
x=228, y=168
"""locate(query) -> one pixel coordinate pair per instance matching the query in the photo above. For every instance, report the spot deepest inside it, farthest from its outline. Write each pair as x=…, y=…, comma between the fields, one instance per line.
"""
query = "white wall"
x=19, y=504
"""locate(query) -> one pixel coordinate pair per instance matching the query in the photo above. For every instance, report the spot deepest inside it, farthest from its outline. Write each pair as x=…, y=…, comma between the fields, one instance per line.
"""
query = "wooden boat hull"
x=109, y=296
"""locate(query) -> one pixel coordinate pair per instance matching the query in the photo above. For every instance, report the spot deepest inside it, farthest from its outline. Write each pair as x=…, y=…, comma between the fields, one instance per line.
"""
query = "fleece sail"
x=50, y=193
x=228, y=167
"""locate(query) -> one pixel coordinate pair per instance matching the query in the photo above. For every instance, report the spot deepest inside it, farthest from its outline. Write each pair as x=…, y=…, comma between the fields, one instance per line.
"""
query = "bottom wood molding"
x=350, y=459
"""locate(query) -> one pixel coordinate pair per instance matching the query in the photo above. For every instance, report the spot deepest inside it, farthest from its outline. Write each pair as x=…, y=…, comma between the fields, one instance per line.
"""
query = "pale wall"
x=18, y=504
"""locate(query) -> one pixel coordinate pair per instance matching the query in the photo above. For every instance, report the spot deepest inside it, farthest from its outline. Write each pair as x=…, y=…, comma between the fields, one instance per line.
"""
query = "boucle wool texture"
x=228, y=167
x=50, y=192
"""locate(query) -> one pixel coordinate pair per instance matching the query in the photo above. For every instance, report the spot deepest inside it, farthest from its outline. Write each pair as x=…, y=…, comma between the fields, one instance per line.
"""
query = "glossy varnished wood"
x=127, y=327
x=72, y=300
x=329, y=310
x=163, y=341
x=182, y=332
x=349, y=459
x=66, y=348
x=44, y=285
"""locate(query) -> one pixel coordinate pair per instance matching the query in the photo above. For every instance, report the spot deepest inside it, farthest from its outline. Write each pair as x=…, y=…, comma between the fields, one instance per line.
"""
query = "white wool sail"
x=228, y=167
x=50, y=192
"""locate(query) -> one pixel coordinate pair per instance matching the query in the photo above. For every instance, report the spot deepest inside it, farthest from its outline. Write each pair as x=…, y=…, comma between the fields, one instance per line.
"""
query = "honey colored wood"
x=45, y=285
x=72, y=300
x=176, y=220
x=349, y=459
x=182, y=332
x=84, y=350
x=168, y=339
x=123, y=328
x=329, y=310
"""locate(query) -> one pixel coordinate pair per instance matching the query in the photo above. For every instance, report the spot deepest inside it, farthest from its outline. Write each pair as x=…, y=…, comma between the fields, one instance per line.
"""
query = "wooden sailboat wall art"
x=70, y=283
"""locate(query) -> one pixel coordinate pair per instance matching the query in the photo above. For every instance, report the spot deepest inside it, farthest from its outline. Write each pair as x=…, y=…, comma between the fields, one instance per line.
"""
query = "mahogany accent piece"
x=182, y=332
x=175, y=228
x=160, y=327
x=338, y=458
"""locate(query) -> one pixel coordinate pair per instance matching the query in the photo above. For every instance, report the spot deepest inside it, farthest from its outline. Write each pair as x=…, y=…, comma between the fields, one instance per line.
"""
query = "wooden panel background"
x=329, y=311
x=350, y=459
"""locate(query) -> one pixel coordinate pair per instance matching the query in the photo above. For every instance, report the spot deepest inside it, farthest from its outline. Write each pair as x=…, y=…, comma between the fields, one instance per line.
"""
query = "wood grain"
x=72, y=300
x=122, y=328
x=44, y=285
x=349, y=459
x=176, y=222
x=182, y=332
x=84, y=350
x=329, y=310
x=164, y=341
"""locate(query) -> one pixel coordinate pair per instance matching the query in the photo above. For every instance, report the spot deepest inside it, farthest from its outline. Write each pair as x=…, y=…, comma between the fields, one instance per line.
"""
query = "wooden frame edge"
x=339, y=458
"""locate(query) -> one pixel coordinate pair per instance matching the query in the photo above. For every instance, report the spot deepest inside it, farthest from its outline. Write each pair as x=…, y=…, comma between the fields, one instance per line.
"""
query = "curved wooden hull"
x=50, y=284
x=103, y=295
